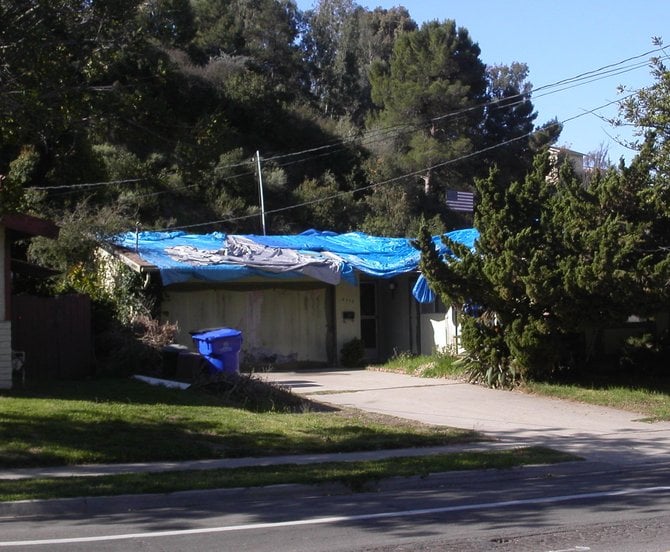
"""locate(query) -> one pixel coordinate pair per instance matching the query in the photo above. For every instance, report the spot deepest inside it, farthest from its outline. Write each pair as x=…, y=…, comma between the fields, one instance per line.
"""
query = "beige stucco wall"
x=293, y=320
x=347, y=300
x=396, y=316
x=289, y=323
x=297, y=325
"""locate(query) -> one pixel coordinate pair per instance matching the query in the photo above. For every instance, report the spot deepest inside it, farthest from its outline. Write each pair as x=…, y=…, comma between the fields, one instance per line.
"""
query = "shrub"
x=249, y=392
x=352, y=353
x=487, y=359
x=646, y=354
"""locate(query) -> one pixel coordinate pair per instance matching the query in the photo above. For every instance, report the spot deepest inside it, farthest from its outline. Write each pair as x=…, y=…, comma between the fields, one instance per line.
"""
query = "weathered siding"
x=289, y=323
x=5, y=325
x=3, y=284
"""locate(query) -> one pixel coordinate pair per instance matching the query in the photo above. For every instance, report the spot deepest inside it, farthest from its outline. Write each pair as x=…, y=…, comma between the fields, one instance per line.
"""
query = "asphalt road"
x=566, y=508
x=618, y=499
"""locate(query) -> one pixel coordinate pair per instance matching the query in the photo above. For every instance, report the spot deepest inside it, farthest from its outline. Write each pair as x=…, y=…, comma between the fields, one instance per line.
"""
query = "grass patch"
x=650, y=399
x=118, y=421
x=438, y=365
x=356, y=475
x=647, y=396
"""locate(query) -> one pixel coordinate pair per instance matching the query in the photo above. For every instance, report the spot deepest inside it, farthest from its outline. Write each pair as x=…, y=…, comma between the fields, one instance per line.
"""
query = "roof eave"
x=130, y=259
x=29, y=225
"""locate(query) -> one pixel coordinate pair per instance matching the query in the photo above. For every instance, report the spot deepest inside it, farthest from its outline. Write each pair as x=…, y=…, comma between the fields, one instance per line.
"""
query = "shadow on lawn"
x=230, y=390
x=604, y=376
x=125, y=420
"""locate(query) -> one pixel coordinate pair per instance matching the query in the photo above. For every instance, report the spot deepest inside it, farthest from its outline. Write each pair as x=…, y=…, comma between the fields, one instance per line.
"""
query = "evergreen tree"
x=433, y=92
x=55, y=59
x=558, y=260
x=342, y=42
x=430, y=98
x=444, y=119
x=263, y=34
x=171, y=22
x=509, y=120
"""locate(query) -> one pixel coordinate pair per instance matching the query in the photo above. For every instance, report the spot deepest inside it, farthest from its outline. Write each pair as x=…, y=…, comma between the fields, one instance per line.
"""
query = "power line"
x=419, y=172
x=381, y=134
x=603, y=68
x=605, y=71
x=87, y=185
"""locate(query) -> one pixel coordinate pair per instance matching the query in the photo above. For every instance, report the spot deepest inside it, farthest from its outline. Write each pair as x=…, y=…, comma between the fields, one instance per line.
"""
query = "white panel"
x=433, y=333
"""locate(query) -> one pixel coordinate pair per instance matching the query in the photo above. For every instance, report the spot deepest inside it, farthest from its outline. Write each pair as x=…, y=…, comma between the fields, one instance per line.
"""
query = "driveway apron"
x=595, y=433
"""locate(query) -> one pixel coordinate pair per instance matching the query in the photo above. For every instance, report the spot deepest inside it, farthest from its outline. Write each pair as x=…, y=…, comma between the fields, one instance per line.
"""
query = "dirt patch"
x=251, y=393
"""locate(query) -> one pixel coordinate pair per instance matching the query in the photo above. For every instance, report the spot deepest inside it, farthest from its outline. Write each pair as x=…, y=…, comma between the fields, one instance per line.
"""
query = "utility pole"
x=260, y=189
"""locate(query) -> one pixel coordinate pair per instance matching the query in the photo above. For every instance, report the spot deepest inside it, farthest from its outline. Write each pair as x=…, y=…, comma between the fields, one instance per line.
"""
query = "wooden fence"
x=55, y=335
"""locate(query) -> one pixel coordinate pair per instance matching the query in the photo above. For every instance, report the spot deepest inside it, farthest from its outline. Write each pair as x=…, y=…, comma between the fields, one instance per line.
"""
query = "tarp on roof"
x=325, y=256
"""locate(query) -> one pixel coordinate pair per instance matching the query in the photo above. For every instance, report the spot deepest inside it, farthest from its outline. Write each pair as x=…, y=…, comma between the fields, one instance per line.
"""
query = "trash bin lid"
x=215, y=333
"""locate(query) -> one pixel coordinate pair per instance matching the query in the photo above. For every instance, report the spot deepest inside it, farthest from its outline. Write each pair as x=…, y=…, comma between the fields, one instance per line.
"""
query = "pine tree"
x=558, y=260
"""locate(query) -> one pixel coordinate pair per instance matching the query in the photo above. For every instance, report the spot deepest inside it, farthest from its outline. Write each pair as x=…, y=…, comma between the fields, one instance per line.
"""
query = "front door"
x=369, y=319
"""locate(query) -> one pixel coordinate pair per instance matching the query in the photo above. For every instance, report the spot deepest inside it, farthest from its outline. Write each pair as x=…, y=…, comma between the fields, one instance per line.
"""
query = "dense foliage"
x=561, y=257
x=155, y=114
x=155, y=109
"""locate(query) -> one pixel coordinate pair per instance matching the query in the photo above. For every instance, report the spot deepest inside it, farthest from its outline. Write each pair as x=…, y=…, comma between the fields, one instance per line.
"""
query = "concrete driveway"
x=596, y=433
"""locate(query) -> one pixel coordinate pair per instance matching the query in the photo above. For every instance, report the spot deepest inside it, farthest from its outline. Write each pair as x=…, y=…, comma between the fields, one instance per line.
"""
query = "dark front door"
x=369, y=319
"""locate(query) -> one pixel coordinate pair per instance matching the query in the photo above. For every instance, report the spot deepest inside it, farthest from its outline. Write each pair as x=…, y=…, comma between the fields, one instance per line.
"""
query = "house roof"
x=29, y=226
x=324, y=256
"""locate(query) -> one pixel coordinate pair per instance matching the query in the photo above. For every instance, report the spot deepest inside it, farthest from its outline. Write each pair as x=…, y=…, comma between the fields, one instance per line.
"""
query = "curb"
x=97, y=470
x=87, y=506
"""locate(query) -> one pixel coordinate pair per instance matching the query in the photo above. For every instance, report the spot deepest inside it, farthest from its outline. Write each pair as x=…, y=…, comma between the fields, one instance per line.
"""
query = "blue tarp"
x=326, y=256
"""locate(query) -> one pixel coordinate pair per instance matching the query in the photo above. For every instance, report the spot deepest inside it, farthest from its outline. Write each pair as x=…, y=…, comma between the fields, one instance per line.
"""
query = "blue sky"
x=559, y=40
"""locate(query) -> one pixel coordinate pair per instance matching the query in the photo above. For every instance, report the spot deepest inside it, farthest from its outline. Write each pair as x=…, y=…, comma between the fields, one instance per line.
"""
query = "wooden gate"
x=55, y=335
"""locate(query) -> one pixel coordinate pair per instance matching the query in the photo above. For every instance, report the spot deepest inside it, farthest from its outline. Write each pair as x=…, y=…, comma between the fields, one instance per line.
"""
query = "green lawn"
x=123, y=420
x=650, y=399
x=433, y=366
x=113, y=421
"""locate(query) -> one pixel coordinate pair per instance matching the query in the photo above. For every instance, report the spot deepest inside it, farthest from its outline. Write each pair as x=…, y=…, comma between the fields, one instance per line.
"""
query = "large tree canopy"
x=56, y=57
x=157, y=108
x=443, y=119
x=561, y=258
x=342, y=42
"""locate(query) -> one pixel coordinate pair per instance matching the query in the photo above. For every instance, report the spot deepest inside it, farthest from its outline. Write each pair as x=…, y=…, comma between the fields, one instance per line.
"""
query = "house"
x=298, y=299
x=560, y=155
x=13, y=227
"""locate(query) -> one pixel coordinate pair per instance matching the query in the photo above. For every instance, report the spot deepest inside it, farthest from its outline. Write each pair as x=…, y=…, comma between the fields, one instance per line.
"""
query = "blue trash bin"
x=221, y=347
